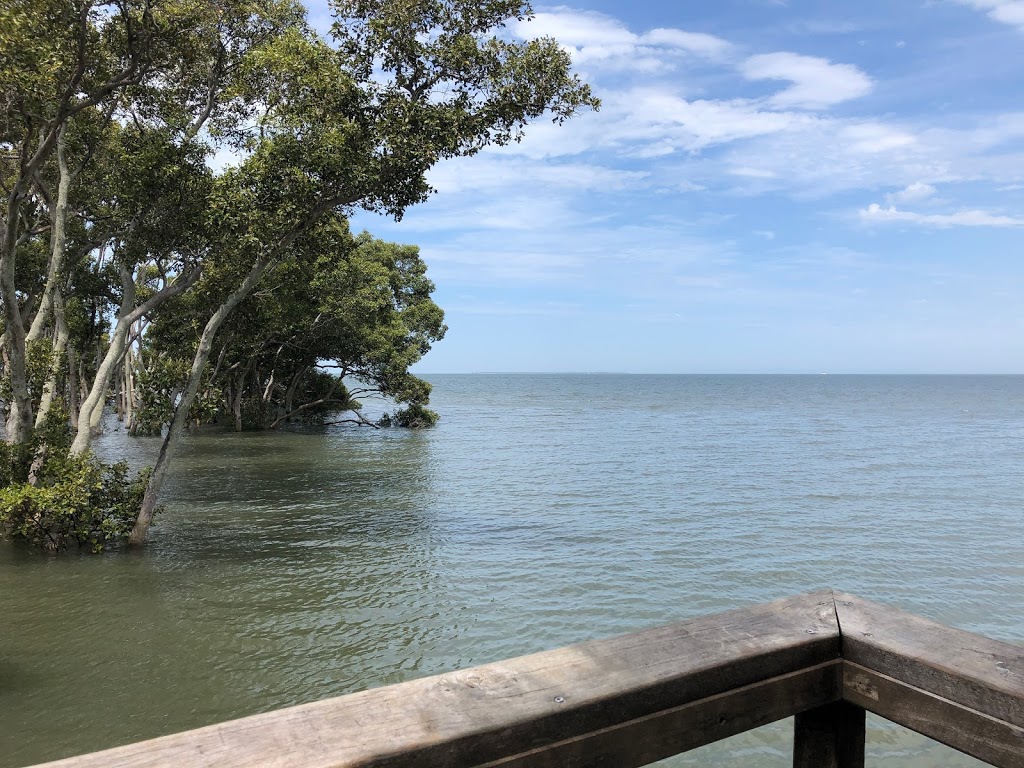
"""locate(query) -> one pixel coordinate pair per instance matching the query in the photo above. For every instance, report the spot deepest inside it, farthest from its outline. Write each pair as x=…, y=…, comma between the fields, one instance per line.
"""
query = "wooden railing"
x=824, y=657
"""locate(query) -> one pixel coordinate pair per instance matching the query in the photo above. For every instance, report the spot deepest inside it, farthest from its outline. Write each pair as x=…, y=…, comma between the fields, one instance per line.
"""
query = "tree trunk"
x=237, y=410
x=119, y=391
x=129, y=388
x=92, y=409
x=84, y=385
x=19, y=413
x=236, y=400
x=188, y=396
x=159, y=476
x=74, y=375
x=60, y=349
x=289, y=394
x=58, y=241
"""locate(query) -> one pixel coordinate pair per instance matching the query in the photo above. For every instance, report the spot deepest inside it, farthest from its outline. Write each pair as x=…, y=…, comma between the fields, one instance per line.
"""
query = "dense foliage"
x=342, y=309
x=77, y=499
x=61, y=499
x=177, y=177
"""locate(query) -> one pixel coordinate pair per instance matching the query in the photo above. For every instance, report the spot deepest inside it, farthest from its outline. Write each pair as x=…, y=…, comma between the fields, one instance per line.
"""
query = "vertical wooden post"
x=829, y=737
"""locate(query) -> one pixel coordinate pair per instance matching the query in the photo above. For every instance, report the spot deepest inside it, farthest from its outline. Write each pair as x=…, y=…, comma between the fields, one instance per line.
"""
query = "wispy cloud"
x=875, y=213
x=727, y=180
x=871, y=137
x=546, y=309
x=492, y=172
x=706, y=131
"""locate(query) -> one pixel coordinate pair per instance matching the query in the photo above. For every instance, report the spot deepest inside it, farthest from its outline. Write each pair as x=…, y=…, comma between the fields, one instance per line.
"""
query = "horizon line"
x=718, y=373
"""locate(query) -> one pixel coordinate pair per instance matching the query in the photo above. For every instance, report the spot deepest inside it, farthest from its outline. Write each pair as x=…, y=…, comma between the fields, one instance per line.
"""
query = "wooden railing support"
x=959, y=688
x=831, y=736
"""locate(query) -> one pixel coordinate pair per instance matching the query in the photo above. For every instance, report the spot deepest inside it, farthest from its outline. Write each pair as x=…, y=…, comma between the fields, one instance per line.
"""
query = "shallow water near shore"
x=543, y=510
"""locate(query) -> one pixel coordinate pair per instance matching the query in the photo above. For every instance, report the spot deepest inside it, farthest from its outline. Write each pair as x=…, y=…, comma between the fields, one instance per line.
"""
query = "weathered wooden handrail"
x=634, y=699
x=962, y=689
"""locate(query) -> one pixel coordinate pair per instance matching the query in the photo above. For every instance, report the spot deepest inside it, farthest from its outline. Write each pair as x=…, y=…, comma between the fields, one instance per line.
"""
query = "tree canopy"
x=178, y=176
x=342, y=309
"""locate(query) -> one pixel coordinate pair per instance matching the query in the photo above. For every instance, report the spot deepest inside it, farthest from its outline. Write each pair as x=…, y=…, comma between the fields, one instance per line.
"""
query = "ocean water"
x=543, y=510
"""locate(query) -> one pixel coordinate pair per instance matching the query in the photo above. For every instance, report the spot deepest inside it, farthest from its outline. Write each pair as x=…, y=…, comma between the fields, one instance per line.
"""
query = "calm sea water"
x=543, y=510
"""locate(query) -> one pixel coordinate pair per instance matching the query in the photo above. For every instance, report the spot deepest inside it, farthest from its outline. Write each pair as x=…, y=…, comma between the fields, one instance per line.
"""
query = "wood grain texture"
x=830, y=736
x=672, y=731
x=967, y=730
x=488, y=713
x=969, y=669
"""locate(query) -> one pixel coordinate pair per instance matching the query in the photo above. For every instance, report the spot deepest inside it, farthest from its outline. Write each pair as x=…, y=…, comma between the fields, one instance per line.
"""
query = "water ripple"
x=542, y=511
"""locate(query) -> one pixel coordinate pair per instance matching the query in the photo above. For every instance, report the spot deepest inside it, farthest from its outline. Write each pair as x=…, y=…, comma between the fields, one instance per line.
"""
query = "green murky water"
x=542, y=511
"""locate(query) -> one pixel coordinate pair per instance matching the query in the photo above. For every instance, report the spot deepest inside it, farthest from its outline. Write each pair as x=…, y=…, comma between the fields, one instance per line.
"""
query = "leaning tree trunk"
x=92, y=408
x=289, y=394
x=188, y=397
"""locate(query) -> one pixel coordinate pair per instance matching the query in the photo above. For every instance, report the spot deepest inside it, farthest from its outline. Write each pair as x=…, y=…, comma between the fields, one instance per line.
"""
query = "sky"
x=769, y=187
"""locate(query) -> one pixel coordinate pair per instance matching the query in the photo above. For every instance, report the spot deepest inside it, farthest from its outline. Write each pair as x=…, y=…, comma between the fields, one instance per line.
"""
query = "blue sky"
x=768, y=187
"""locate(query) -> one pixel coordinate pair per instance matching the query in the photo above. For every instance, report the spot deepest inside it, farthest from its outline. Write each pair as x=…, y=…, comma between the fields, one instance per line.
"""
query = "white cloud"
x=816, y=82
x=875, y=213
x=745, y=144
x=912, y=193
x=652, y=121
x=577, y=29
x=694, y=42
x=1005, y=11
x=705, y=133
x=596, y=39
x=636, y=258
